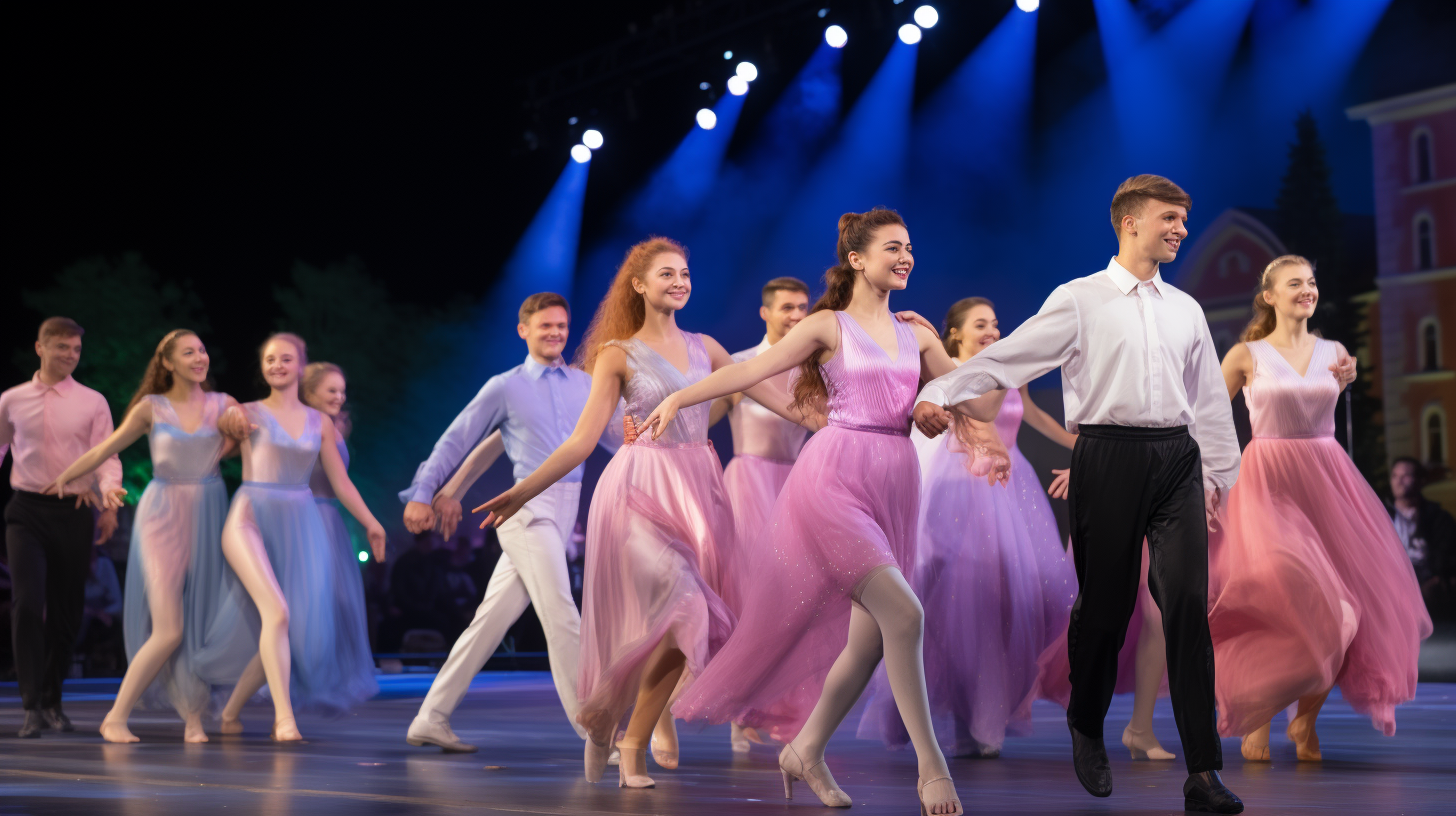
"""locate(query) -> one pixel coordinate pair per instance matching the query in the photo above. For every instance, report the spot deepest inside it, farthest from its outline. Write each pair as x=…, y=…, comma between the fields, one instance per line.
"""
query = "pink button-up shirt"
x=49, y=427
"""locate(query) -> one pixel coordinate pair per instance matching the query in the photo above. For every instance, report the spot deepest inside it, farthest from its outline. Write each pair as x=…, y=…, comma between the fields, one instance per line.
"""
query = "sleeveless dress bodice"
x=179, y=456
x=318, y=482
x=1284, y=405
x=277, y=458
x=654, y=378
x=868, y=389
x=1008, y=421
x=757, y=431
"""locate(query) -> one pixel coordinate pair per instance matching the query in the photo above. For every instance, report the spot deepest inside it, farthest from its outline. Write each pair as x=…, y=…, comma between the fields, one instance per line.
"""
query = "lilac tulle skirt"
x=847, y=511
x=1308, y=588
x=753, y=484
x=997, y=590
x=657, y=532
x=354, y=653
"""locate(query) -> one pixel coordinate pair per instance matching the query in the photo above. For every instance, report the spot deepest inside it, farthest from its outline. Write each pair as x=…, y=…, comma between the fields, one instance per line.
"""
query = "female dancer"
x=990, y=571
x=1308, y=585
x=324, y=391
x=174, y=555
x=829, y=578
x=274, y=539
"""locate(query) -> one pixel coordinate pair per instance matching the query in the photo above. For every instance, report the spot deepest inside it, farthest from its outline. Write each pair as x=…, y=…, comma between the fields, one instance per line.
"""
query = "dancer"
x=178, y=521
x=1309, y=586
x=829, y=598
x=659, y=526
x=274, y=540
x=325, y=390
x=765, y=446
x=1155, y=451
x=990, y=572
x=51, y=421
x=533, y=408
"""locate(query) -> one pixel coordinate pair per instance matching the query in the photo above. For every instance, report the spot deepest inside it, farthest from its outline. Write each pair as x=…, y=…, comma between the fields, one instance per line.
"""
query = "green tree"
x=126, y=307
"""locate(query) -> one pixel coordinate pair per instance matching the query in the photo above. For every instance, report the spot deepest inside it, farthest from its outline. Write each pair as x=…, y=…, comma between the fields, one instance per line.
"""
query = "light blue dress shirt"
x=536, y=408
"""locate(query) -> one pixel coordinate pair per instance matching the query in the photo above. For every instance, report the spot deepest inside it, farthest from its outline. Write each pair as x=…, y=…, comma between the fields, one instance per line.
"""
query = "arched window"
x=1233, y=263
x=1421, y=152
x=1430, y=340
x=1435, y=436
x=1425, y=243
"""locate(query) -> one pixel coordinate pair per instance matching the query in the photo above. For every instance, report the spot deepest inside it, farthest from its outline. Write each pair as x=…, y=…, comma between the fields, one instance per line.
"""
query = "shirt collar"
x=535, y=369
x=763, y=345
x=63, y=387
x=1126, y=281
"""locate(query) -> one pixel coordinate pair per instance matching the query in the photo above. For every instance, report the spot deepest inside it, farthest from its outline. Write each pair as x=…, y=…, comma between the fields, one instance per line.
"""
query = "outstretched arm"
x=1042, y=422
x=347, y=494
x=986, y=452
x=721, y=407
x=137, y=423
x=446, y=503
x=765, y=393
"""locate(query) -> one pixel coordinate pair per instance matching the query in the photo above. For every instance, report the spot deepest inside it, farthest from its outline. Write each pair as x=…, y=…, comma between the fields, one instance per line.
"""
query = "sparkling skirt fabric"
x=847, y=510
x=997, y=589
x=657, y=530
x=175, y=552
x=354, y=653
x=1308, y=588
x=753, y=483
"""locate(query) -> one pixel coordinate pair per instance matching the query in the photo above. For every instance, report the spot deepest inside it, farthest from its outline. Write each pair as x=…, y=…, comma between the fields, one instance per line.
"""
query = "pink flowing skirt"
x=847, y=511
x=753, y=483
x=1308, y=588
x=658, y=525
x=997, y=590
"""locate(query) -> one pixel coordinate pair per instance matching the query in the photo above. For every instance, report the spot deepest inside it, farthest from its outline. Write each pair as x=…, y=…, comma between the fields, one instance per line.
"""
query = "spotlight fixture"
x=581, y=153
x=748, y=71
x=926, y=16
x=737, y=85
x=909, y=33
x=592, y=139
x=707, y=120
x=1028, y=5
x=836, y=36
x=727, y=55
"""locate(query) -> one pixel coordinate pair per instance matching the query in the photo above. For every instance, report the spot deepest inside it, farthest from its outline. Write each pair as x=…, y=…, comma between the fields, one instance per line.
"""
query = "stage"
x=530, y=762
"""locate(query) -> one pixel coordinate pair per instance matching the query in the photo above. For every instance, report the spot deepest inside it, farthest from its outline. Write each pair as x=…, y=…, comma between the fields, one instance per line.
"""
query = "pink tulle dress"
x=846, y=513
x=1308, y=585
x=765, y=446
x=657, y=528
x=997, y=590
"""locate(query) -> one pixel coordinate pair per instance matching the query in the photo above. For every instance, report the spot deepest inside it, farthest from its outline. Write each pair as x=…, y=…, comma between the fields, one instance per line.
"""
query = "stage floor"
x=530, y=762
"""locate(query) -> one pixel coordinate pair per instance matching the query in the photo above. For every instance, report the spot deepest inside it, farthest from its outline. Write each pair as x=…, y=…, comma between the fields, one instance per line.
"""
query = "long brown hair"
x=1264, y=318
x=623, y=311
x=298, y=345
x=157, y=379
x=954, y=317
x=856, y=230
x=313, y=376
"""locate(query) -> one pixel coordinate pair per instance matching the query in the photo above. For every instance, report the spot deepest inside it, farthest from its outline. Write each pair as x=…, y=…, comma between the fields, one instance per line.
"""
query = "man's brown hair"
x=540, y=301
x=784, y=284
x=59, y=327
x=1132, y=194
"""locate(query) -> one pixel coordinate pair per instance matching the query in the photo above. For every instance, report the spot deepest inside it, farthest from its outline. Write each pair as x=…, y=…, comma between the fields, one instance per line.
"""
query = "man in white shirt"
x=1155, y=452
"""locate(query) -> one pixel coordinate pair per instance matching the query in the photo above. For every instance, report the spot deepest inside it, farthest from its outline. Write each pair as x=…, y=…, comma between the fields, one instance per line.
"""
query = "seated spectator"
x=1429, y=535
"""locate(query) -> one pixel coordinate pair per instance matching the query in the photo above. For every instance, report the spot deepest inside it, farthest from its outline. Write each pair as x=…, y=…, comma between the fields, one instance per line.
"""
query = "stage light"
x=707, y=120
x=824, y=12
x=748, y=71
x=1028, y=5
x=926, y=17
x=836, y=36
x=909, y=33
x=727, y=55
x=581, y=153
x=703, y=86
x=363, y=557
x=592, y=139
x=737, y=86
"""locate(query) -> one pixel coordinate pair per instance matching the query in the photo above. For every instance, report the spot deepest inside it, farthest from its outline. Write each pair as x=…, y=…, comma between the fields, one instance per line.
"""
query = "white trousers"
x=531, y=571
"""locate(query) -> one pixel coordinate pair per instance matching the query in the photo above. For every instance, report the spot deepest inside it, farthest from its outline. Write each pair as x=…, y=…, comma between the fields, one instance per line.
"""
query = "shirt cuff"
x=417, y=493
x=932, y=394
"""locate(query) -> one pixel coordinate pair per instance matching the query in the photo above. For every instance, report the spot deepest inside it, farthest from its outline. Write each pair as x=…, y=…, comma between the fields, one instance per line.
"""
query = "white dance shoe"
x=424, y=732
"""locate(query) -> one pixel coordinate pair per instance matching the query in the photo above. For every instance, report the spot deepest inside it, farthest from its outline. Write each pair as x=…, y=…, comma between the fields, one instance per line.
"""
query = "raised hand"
x=114, y=498
x=447, y=513
x=418, y=517
x=1344, y=369
x=914, y=317
x=501, y=508
x=1061, y=478
x=375, y=533
x=234, y=424
x=931, y=419
x=660, y=417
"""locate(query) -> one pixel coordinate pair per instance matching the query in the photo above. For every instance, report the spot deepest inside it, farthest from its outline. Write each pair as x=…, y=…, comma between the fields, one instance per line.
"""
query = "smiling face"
x=281, y=364
x=188, y=361
x=545, y=333
x=1292, y=291
x=666, y=285
x=979, y=330
x=784, y=313
x=328, y=396
x=59, y=355
x=1157, y=231
x=887, y=260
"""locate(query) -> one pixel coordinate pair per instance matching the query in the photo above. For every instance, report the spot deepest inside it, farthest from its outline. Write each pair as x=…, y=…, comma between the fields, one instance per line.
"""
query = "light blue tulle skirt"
x=326, y=674
x=353, y=649
x=176, y=555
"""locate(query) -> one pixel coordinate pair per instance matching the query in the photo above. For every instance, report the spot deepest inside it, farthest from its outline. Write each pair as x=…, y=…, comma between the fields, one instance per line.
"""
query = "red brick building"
x=1413, y=311
x=1221, y=271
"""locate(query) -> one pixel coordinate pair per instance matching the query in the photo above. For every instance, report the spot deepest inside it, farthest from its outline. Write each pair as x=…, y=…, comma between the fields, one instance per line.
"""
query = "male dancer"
x=1155, y=451
x=535, y=405
x=50, y=422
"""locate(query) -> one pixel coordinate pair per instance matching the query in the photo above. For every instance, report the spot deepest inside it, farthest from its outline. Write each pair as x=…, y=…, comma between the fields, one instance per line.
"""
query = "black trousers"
x=49, y=542
x=1129, y=483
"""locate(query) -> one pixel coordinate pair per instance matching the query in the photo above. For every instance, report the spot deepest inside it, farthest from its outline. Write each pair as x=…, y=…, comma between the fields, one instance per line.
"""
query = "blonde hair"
x=623, y=311
x=298, y=345
x=313, y=377
x=1264, y=318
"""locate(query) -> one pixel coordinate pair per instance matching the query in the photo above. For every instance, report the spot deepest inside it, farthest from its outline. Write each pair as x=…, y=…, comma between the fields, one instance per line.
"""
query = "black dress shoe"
x=1205, y=793
x=57, y=719
x=1089, y=757
x=34, y=724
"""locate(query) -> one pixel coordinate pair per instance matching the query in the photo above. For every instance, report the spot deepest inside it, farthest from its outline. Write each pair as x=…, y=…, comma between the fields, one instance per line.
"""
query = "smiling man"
x=1156, y=450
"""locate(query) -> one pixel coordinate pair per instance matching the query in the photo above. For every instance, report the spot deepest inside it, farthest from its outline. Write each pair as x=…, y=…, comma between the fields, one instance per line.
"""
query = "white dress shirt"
x=1134, y=353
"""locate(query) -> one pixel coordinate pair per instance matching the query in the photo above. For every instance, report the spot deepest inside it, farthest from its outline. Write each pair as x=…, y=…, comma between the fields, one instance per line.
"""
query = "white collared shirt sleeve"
x=1212, y=424
x=1047, y=340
